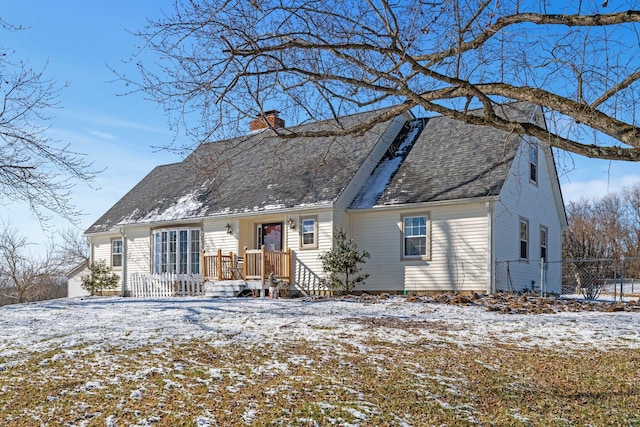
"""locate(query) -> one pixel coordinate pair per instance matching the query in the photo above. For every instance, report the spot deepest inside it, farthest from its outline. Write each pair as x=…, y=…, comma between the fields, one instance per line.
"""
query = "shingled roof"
x=451, y=160
x=435, y=159
x=252, y=173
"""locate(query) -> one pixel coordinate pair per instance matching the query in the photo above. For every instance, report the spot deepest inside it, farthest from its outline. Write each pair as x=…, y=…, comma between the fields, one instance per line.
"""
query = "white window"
x=176, y=251
x=533, y=163
x=116, y=253
x=309, y=232
x=524, y=239
x=415, y=236
x=543, y=243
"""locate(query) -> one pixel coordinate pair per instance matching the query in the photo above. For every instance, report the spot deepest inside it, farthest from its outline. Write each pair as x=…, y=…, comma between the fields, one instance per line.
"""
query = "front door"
x=270, y=236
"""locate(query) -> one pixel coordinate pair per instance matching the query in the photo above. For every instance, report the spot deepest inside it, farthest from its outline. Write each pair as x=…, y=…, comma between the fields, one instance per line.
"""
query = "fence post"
x=203, y=265
x=289, y=268
x=621, y=277
x=615, y=280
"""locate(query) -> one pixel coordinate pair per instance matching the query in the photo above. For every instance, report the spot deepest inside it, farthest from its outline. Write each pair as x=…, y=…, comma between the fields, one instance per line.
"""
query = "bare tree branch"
x=34, y=168
x=224, y=61
x=25, y=276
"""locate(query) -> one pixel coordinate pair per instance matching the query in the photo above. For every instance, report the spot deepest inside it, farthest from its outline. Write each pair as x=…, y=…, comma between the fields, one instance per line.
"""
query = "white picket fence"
x=165, y=285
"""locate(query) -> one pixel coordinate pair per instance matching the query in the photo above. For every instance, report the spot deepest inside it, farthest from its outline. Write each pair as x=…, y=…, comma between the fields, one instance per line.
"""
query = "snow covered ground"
x=244, y=361
x=94, y=323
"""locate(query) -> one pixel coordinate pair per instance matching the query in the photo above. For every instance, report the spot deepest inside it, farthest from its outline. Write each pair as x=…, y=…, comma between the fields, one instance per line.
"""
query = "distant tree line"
x=27, y=275
x=606, y=228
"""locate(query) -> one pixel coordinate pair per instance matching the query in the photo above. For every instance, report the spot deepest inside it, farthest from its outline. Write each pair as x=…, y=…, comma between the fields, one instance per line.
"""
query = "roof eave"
x=222, y=215
x=439, y=203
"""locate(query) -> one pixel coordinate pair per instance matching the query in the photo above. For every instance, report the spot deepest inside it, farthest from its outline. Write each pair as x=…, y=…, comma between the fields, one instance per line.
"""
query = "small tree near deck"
x=100, y=277
x=342, y=264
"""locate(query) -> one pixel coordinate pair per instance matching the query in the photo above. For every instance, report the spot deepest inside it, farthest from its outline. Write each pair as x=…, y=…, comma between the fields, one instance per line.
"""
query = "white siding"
x=538, y=204
x=216, y=236
x=458, y=246
x=307, y=266
x=138, y=250
x=292, y=237
x=342, y=220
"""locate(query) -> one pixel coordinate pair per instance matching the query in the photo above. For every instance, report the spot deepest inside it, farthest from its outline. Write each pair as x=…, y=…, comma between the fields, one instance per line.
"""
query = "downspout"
x=491, y=282
x=90, y=240
x=124, y=262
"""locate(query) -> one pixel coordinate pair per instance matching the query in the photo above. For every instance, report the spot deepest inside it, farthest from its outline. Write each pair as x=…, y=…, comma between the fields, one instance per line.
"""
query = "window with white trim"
x=533, y=163
x=415, y=236
x=309, y=232
x=116, y=253
x=524, y=238
x=176, y=251
x=543, y=242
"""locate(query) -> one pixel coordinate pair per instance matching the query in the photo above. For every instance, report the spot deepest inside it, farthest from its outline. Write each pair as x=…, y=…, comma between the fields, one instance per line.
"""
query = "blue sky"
x=76, y=40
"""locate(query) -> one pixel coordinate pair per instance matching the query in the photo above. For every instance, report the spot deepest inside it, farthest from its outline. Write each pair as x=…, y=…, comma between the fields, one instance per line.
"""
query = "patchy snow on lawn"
x=100, y=323
x=118, y=361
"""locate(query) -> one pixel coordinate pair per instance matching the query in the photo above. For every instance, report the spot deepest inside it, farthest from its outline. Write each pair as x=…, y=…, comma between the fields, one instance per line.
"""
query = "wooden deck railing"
x=255, y=264
x=219, y=266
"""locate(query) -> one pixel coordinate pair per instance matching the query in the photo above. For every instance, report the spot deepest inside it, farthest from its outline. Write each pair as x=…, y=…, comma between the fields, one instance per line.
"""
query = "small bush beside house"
x=341, y=264
x=100, y=278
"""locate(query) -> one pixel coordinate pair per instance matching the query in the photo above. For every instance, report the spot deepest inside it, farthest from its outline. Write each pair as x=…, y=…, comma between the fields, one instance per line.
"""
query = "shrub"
x=341, y=264
x=100, y=277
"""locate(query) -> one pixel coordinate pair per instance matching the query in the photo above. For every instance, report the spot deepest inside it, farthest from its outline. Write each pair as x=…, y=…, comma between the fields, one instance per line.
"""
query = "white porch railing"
x=165, y=285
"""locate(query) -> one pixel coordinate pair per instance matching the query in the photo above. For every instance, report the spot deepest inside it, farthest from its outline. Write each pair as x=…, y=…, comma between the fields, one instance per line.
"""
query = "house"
x=437, y=203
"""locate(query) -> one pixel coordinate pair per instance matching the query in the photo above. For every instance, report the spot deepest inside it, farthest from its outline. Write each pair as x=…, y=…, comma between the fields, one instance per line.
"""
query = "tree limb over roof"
x=228, y=61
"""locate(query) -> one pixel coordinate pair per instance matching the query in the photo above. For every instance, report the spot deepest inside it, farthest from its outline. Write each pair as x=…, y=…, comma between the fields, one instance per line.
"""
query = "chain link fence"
x=591, y=278
x=520, y=276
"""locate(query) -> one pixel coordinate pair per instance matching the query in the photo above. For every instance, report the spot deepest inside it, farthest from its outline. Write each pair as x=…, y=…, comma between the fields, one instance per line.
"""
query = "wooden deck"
x=250, y=265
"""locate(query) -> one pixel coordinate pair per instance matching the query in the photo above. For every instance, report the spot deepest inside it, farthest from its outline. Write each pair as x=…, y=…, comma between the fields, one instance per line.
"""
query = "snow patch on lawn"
x=74, y=325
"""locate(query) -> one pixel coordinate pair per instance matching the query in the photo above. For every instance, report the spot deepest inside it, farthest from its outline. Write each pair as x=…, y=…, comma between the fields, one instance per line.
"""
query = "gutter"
x=454, y=202
x=295, y=210
x=91, y=257
x=491, y=280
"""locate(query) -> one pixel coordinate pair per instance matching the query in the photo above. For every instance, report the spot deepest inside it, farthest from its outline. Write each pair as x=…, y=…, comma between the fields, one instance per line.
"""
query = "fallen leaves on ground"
x=506, y=303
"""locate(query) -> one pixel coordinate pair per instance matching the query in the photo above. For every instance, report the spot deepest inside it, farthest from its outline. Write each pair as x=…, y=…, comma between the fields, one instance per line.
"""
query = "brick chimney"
x=268, y=119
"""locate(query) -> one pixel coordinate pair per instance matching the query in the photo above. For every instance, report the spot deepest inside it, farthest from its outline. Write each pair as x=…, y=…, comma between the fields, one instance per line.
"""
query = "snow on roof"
x=379, y=179
x=187, y=206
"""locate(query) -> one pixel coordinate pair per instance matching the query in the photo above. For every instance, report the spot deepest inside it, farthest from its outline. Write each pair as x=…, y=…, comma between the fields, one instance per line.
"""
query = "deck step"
x=232, y=288
x=224, y=288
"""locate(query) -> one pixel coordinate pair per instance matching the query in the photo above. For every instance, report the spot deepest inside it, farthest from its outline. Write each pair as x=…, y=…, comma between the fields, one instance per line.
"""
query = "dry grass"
x=303, y=383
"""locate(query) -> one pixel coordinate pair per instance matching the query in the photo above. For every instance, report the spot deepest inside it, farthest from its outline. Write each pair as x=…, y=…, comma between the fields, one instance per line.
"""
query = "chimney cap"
x=268, y=113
